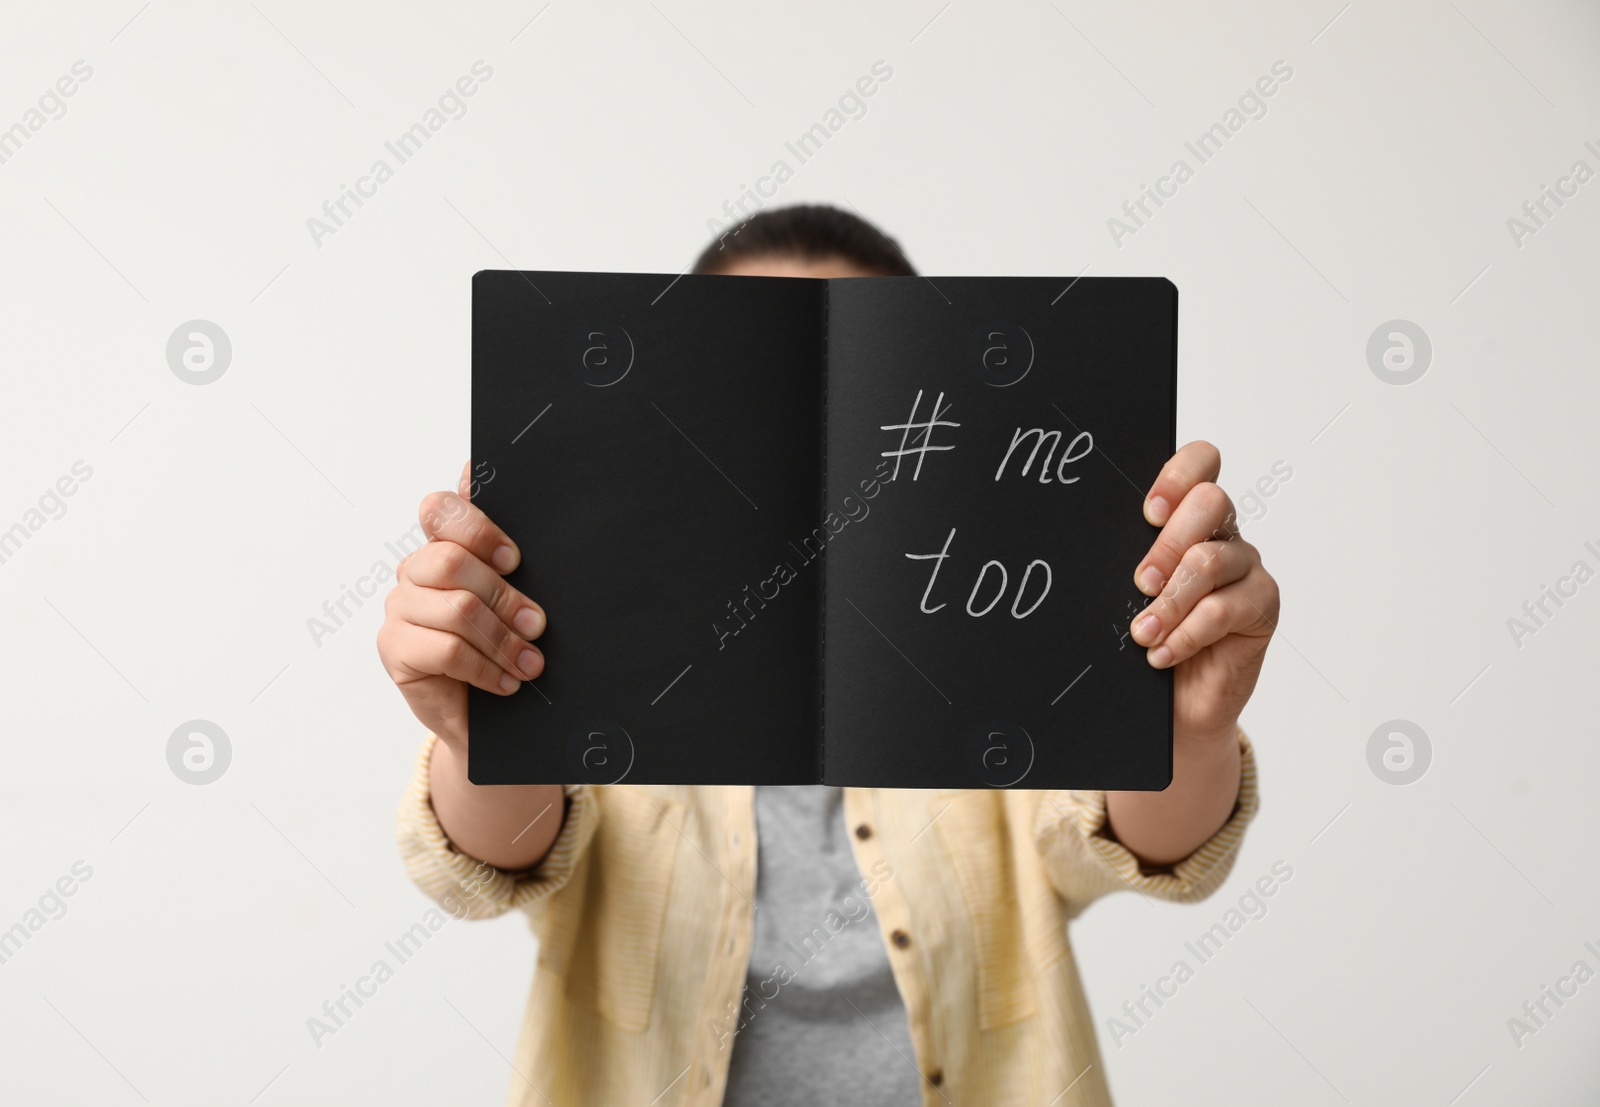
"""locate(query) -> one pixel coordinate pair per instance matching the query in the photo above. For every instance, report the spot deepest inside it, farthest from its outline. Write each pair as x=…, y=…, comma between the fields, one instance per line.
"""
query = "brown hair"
x=811, y=231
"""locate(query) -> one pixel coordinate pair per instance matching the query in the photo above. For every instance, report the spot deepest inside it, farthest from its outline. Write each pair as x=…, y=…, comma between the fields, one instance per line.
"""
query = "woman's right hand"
x=452, y=620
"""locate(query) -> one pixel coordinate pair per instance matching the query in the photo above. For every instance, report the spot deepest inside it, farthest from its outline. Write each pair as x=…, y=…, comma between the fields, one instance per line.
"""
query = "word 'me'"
x=1054, y=438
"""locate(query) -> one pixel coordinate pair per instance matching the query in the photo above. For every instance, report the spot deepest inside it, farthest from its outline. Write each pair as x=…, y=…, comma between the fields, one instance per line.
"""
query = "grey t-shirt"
x=822, y=1019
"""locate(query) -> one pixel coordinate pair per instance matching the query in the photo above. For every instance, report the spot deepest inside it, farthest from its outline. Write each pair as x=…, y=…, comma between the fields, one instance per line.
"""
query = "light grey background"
x=219, y=518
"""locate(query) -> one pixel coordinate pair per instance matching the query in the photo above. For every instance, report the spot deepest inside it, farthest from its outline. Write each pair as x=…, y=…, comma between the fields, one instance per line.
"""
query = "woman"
x=898, y=946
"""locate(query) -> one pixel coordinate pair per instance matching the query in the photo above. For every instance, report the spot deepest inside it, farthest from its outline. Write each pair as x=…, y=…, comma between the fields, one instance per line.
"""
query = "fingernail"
x=529, y=622
x=1146, y=629
x=1161, y=657
x=1156, y=509
x=1150, y=581
x=528, y=662
x=505, y=558
x=508, y=683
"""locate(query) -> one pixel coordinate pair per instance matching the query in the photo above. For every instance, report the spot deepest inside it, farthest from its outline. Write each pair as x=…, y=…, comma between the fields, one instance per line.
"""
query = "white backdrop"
x=176, y=582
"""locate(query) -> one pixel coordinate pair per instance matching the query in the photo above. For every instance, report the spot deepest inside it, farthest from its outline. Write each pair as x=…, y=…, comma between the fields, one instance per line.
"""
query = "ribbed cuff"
x=475, y=889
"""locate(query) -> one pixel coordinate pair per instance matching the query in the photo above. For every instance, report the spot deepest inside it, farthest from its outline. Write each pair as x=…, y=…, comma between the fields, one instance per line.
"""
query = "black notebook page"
x=1060, y=696
x=653, y=445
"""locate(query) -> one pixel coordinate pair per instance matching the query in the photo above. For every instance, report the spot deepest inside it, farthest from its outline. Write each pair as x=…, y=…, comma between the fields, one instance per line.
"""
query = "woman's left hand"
x=1215, y=607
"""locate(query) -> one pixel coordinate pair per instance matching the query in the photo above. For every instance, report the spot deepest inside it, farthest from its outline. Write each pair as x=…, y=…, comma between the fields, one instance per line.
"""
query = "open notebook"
x=869, y=532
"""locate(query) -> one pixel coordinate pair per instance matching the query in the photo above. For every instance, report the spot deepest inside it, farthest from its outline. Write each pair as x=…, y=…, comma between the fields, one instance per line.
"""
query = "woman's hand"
x=451, y=619
x=1215, y=606
x=1212, y=615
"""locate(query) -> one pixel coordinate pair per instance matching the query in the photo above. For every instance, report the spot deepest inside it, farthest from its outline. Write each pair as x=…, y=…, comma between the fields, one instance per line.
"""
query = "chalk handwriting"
x=923, y=442
x=978, y=585
x=1054, y=438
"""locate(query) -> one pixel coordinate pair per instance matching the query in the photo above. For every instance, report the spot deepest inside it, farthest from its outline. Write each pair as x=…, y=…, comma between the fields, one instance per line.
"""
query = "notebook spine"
x=822, y=588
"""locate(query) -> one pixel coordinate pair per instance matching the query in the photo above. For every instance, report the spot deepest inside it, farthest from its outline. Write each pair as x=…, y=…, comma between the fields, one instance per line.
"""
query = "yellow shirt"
x=642, y=909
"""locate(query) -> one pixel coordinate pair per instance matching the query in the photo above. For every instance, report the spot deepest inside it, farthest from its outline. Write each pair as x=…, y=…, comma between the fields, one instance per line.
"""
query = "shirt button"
x=936, y=1077
x=863, y=832
x=900, y=938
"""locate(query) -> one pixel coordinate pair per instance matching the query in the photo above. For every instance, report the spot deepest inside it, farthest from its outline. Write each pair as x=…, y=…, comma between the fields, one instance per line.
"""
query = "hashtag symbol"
x=923, y=441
